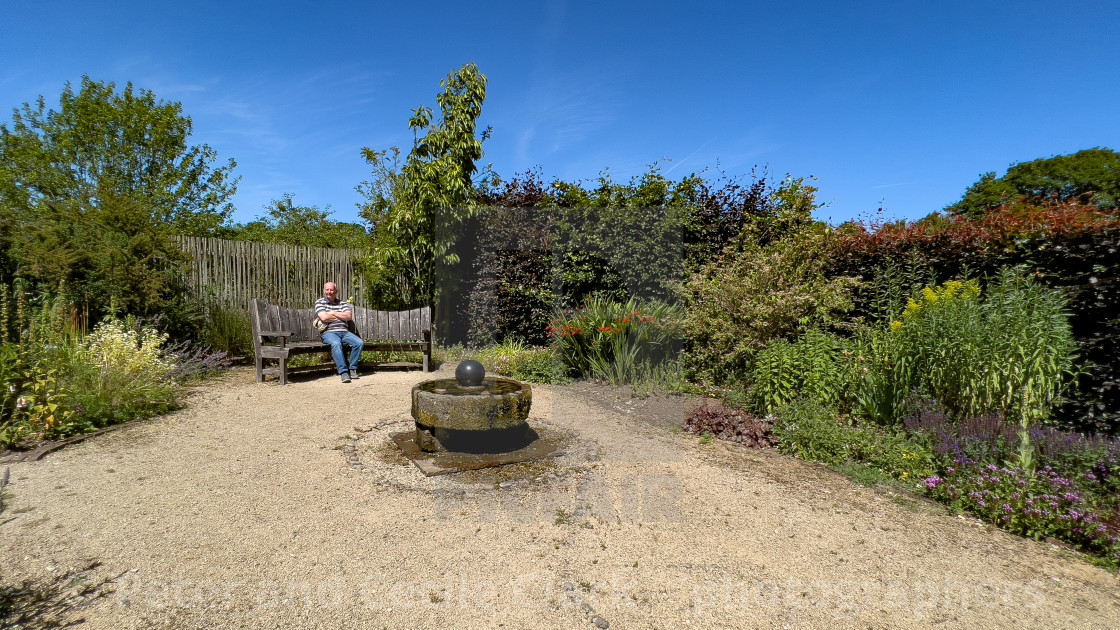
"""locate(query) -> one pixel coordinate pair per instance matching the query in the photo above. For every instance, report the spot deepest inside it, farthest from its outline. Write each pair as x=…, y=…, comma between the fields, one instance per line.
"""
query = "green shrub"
x=813, y=432
x=58, y=383
x=41, y=411
x=519, y=361
x=537, y=365
x=119, y=372
x=228, y=330
x=884, y=373
x=1012, y=352
x=816, y=368
x=12, y=369
x=616, y=342
x=737, y=305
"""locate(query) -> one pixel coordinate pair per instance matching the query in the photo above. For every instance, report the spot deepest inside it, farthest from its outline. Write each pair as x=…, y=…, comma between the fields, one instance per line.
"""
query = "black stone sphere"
x=470, y=374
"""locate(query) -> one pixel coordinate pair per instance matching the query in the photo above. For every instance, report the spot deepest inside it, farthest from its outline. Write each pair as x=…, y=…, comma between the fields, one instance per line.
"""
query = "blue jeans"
x=335, y=341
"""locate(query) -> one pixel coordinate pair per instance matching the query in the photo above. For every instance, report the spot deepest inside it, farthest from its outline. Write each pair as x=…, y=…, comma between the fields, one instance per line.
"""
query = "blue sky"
x=895, y=104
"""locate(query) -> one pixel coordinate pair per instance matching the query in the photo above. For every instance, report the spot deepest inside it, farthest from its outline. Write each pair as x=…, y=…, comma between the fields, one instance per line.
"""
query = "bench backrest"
x=273, y=318
x=370, y=324
x=393, y=325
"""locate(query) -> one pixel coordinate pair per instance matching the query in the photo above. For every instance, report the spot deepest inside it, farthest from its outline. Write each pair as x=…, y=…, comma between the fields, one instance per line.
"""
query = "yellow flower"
x=912, y=308
x=896, y=325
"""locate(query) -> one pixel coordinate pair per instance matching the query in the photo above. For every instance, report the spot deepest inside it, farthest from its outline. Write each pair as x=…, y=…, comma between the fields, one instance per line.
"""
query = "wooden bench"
x=280, y=332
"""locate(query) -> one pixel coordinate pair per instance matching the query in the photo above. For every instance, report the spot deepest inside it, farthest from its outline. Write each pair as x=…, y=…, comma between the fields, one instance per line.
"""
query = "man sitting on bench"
x=337, y=316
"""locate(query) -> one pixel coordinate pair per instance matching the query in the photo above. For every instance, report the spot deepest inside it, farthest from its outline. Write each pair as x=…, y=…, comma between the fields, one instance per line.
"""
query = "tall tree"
x=1092, y=175
x=418, y=208
x=91, y=193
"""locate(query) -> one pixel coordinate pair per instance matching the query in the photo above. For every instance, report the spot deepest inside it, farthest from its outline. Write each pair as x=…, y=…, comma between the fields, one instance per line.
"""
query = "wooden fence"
x=234, y=272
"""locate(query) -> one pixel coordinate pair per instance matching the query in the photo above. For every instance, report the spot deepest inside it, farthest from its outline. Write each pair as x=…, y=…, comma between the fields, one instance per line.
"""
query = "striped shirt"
x=323, y=305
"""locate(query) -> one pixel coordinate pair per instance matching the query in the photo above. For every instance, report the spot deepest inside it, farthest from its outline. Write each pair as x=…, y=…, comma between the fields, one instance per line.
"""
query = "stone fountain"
x=472, y=413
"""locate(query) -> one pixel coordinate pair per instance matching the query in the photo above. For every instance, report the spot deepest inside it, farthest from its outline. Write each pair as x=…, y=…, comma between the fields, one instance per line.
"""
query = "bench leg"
x=283, y=370
x=260, y=369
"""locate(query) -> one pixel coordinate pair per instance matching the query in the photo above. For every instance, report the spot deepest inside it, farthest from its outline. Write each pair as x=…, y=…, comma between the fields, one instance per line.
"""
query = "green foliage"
x=58, y=383
x=1093, y=175
x=737, y=305
x=92, y=194
x=227, y=330
x=119, y=372
x=12, y=369
x=617, y=342
x=41, y=410
x=811, y=431
x=538, y=247
x=308, y=226
x=418, y=209
x=884, y=373
x=1011, y=352
x=524, y=363
x=619, y=240
x=815, y=368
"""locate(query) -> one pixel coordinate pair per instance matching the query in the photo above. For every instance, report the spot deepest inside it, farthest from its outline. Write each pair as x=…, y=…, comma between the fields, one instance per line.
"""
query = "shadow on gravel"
x=55, y=603
x=50, y=604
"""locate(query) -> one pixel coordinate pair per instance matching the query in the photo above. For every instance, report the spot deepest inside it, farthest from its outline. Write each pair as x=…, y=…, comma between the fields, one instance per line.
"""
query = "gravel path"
x=250, y=509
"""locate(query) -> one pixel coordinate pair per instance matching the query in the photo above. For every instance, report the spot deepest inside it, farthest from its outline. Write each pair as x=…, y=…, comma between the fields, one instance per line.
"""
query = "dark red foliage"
x=733, y=425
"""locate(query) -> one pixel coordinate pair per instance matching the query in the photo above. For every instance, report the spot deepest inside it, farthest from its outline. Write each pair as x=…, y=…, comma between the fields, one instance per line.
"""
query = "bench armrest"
x=282, y=334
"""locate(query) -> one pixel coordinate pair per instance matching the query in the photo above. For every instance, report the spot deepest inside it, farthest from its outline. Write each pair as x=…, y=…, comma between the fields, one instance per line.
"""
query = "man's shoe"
x=345, y=377
x=354, y=375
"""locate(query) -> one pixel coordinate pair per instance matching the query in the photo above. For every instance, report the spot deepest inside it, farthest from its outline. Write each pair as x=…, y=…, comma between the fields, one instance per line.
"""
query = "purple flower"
x=933, y=482
x=1007, y=508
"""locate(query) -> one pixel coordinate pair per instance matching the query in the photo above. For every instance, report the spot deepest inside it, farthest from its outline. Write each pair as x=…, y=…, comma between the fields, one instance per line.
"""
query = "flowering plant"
x=615, y=341
x=1039, y=505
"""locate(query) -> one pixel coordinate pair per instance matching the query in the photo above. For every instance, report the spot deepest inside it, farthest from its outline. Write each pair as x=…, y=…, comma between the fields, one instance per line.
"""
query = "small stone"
x=506, y=484
x=586, y=608
x=601, y=623
x=568, y=586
